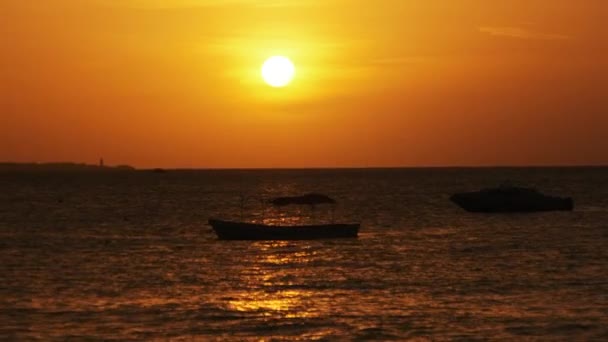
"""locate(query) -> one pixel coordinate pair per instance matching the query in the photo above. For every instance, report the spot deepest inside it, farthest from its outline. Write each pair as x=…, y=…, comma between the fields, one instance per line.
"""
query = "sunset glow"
x=390, y=83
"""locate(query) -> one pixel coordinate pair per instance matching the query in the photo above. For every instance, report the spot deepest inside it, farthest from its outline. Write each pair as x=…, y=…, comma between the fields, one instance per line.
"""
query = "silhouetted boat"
x=229, y=230
x=308, y=199
x=510, y=199
x=232, y=230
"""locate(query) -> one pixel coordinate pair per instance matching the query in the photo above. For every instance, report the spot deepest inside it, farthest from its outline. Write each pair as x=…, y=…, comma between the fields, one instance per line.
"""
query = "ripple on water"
x=131, y=258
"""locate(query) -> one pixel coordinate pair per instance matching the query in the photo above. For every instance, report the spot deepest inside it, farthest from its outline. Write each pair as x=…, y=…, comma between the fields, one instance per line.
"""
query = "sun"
x=278, y=71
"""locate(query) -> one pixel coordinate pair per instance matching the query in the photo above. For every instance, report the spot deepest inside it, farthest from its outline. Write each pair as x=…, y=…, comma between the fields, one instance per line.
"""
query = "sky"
x=176, y=83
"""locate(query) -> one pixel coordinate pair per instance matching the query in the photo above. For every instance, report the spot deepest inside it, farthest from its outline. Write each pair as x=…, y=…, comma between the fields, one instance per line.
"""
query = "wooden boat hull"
x=228, y=230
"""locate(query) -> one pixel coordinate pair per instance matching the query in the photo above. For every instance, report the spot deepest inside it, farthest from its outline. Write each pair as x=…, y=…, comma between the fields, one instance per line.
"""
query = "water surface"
x=128, y=255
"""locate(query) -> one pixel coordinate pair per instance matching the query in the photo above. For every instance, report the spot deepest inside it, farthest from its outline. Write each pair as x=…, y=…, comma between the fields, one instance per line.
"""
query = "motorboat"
x=510, y=199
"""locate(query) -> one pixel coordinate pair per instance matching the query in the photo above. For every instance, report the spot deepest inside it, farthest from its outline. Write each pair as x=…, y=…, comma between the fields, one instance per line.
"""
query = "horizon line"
x=463, y=166
x=383, y=167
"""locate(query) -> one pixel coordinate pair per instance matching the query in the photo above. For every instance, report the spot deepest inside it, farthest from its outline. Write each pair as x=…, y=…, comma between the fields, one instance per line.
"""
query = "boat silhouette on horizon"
x=506, y=198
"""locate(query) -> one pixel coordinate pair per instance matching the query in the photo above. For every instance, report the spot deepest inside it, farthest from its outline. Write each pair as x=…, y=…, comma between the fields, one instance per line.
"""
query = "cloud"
x=521, y=33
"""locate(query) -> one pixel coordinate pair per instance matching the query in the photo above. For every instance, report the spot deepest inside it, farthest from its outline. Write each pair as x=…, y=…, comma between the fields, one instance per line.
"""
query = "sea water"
x=129, y=256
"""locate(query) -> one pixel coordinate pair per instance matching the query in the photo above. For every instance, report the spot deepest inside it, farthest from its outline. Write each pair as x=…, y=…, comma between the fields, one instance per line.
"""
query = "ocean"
x=128, y=255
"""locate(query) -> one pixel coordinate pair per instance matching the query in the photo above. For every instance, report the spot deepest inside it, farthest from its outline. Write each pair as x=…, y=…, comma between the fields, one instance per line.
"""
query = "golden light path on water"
x=287, y=303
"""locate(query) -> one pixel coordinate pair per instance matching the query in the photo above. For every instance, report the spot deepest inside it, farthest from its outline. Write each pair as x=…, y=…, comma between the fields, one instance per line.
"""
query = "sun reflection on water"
x=288, y=304
x=269, y=277
x=299, y=257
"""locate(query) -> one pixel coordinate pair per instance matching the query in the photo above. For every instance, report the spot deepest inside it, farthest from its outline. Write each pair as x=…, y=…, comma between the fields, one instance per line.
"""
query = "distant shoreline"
x=61, y=167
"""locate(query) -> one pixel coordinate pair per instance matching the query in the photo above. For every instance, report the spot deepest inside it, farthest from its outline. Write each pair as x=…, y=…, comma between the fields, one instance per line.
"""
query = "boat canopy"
x=307, y=199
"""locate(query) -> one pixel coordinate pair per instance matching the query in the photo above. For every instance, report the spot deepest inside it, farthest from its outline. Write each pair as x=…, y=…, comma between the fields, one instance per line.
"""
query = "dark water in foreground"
x=129, y=256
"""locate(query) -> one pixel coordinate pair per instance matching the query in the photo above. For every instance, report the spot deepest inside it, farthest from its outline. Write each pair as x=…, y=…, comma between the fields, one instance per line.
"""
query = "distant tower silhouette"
x=100, y=162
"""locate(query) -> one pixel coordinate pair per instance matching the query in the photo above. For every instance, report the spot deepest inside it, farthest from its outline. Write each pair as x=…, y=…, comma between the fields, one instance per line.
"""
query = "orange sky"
x=176, y=83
